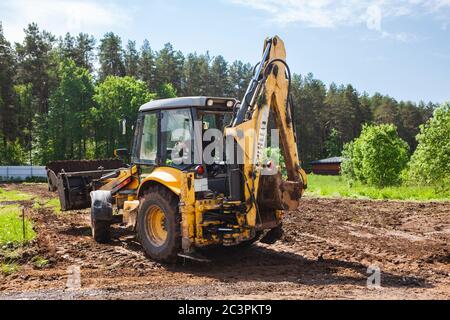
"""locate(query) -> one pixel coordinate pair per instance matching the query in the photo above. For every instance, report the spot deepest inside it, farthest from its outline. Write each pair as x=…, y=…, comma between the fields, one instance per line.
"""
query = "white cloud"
x=336, y=13
x=374, y=17
x=60, y=16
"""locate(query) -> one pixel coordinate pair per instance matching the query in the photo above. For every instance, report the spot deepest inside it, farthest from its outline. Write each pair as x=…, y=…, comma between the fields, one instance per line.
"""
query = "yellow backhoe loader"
x=182, y=191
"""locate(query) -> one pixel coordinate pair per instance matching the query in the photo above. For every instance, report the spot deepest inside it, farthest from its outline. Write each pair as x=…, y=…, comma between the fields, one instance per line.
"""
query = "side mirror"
x=121, y=153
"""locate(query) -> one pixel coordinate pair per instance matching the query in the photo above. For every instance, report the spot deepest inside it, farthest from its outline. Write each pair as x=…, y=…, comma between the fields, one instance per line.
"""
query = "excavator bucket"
x=74, y=180
x=278, y=194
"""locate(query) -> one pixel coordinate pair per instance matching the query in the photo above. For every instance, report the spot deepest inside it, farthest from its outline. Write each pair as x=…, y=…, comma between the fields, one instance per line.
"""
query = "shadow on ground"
x=257, y=263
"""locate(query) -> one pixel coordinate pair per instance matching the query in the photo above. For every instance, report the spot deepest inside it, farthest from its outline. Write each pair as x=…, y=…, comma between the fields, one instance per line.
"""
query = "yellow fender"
x=167, y=176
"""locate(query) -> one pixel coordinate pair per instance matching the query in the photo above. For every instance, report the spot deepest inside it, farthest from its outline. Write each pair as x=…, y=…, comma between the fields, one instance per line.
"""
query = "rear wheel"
x=159, y=224
x=249, y=243
x=273, y=235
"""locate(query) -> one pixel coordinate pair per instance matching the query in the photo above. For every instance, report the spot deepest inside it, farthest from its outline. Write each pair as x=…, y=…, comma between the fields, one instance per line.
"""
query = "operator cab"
x=179, y=133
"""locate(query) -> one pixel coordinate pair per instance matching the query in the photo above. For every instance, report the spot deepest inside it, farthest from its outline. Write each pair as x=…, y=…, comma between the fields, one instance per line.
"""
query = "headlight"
x=230, y=104
x=210, y=103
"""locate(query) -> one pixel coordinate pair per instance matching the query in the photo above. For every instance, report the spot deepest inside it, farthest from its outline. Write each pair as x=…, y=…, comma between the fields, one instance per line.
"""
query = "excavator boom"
x=268, y=93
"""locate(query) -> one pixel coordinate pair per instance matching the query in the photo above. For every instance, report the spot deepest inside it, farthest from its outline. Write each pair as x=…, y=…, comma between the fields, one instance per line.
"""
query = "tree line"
x=66, y=98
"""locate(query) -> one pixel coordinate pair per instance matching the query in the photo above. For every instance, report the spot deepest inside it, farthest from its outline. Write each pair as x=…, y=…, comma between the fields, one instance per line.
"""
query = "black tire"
x=273, y=235
x=162, y=199
x=101, y=231
x=249, y=243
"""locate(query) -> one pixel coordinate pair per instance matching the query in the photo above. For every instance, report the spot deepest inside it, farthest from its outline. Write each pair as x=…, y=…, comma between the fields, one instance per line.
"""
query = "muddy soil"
x=330, y=248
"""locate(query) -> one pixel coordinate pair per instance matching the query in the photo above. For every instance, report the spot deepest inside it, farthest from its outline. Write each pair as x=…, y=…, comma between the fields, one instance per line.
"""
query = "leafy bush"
x=12, y=153
x=430, y=163
x=333, y=144
x=118, y=99
x=347, y=165
x=377, y=157
x=166, y=91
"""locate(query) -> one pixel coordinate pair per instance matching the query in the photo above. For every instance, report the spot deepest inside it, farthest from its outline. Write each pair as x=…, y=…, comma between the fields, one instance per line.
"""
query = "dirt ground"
x=325, y=254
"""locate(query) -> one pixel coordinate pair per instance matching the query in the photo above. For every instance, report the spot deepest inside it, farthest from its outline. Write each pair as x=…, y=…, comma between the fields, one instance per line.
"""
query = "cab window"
x=176, y=137
x=148, y=150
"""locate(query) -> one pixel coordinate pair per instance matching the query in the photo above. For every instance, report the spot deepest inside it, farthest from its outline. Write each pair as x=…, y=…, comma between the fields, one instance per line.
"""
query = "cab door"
x=146, y=151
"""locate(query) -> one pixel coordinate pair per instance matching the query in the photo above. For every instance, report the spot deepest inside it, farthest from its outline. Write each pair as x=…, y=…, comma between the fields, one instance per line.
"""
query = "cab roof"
x=184, y=102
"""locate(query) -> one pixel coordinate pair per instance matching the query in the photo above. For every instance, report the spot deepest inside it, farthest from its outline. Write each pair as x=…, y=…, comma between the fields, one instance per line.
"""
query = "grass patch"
x=9, y=255
x=13, y=195
x=338, y=186
x=40, y=262
x=8, y=268
x=53, y=204
x=11, y=226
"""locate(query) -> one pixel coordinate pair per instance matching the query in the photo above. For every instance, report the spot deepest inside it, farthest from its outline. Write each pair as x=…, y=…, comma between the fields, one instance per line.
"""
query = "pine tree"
x=169, y=67
x=410, y=119
x=84, y=51
x=26, y=113
x=8, y=110
x=146, y=68
x=386, y=111
x=308, y=97
x=111, y=57
x=240, y=75
x=80, y=49
x=37, y=65
x=219, y=84
x=66, y=47
x=196, y=75
x=131, y=60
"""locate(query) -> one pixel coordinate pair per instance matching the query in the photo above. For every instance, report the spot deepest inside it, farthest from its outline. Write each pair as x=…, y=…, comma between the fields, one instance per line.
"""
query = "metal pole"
x=23, y=224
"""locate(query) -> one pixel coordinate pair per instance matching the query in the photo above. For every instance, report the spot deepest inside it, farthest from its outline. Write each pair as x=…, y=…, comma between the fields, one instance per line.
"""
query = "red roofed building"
x=330, y=166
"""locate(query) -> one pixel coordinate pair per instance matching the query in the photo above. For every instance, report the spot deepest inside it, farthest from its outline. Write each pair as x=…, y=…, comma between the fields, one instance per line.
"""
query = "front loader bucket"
x=74, y=180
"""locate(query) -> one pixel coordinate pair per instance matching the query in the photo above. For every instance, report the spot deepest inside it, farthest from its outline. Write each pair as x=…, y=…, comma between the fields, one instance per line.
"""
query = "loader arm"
x=268, y=92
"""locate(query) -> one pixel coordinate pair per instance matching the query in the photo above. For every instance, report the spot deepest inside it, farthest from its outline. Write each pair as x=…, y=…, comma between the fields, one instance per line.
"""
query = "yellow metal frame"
x=275, y=97
x=169, y=177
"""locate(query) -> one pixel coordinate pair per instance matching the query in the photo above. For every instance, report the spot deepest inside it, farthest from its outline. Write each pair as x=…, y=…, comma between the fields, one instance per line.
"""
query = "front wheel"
x=101, y=215
x=159, y=224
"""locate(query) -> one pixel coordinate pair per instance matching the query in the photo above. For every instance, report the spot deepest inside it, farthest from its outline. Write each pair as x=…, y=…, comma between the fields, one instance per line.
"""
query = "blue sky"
x=397, y=47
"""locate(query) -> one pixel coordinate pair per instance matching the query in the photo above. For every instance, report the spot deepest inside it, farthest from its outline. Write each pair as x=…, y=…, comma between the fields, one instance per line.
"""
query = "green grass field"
x=337, y=186
x=53, y=204
x=12, y=195
x=12, y=230
x=11, y=227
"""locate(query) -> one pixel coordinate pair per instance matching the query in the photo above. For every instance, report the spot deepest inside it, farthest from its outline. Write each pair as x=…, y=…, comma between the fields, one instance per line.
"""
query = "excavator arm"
x=268, y=93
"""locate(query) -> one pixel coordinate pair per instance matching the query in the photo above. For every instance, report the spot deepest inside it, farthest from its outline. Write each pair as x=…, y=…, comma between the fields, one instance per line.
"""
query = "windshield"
x=176, y=137
x=213, y=125
x=215, y=119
